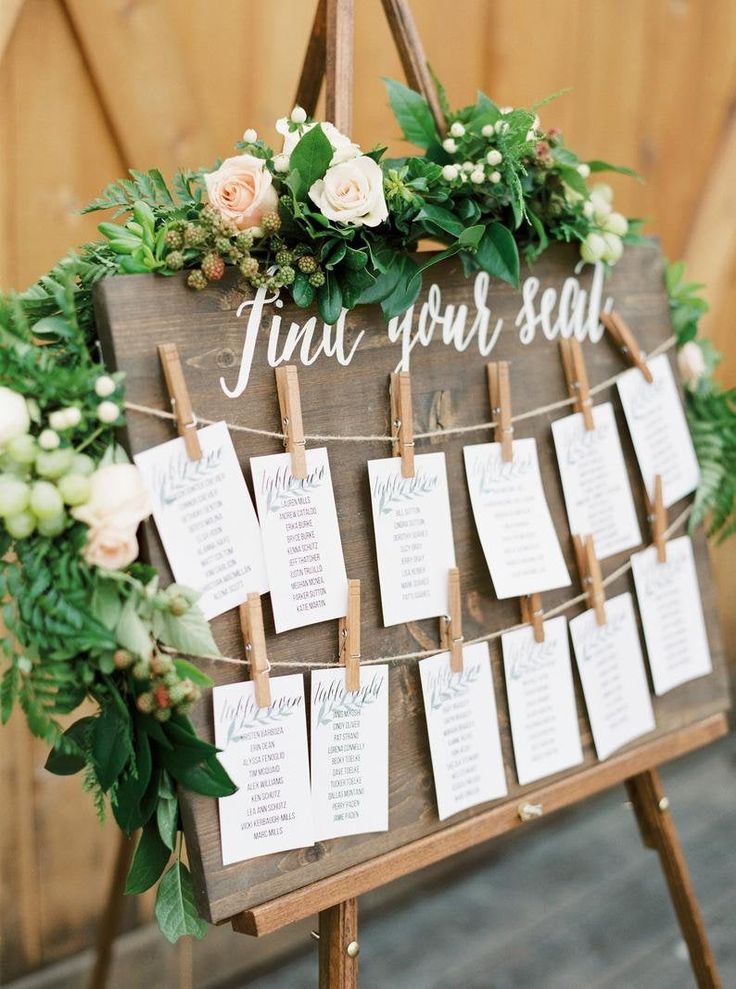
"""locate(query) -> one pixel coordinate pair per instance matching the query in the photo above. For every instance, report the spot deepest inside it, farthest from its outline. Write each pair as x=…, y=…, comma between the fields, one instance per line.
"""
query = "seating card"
x=612, y=673
x=301, y=540
x=349, y=753
x=264, y=749
x=413, y=530
x=206, y=520
x=595, y=481
x=671, y=615
x=659, y=430
x=542, y=711
x=463, y=730
x=513, y=520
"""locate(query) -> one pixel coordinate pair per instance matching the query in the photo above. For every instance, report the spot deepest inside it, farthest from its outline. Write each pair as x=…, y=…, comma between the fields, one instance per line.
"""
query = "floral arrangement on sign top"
x=334, y=227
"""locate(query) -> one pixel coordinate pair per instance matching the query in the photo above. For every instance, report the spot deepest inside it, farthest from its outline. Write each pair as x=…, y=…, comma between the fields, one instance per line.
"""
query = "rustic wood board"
x=135, y=313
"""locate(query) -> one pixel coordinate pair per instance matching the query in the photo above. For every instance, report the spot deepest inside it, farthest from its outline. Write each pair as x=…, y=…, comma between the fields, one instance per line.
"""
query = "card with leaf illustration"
x=464, y=742
x=349, y=732
x=264, y=751
x=206, y=520
x=413, y=531
x=301, y=540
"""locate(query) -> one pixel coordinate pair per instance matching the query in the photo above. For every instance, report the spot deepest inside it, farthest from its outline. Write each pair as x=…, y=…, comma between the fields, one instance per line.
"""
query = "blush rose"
x=242, y=190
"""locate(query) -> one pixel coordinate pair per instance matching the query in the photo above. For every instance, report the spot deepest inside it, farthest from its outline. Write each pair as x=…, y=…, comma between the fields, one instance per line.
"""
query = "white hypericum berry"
x=250, y=136
x=501, y=127
x=281, y=163
x=104, y=386
x=588, y=209
x=488, y=130
x=298, y=115
x=616, y=223
x=48, y=440
x=449, y=145
x=457, y=129
x=73, y=417
x=604, y=191
x=584, y=170
x=468, y=166
x=449, y=173
x=531, y=135
x=477, y=176
x=614, y=248
x=593, y=248
x=58, y=420
x=107, y=412
x=505, y=110
x=494, y=177
x=494, y=157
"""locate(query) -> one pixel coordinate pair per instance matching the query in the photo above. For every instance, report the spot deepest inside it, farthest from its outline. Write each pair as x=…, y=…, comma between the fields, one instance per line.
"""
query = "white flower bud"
x=616, y=223
x=593, y=248
x=488, y=130
x=73, y=416
x=494, y=177
x=449, y=173
x=614, y=248
x=505, y=109
x=449, y=145
x=250, y=136
x=107, y=412
x=494, y=157
x=691, y=364
x=281, y=163
x=48, y=440
x=58, y=420
x=584, y=170
x=468, y=166
x=501, y=127
x=298, y=115
x=588, y=209
x=104, y=386
x=603, y=191
x=601, y=207
x=457, y=129
x=531, y=135
x=477, y=176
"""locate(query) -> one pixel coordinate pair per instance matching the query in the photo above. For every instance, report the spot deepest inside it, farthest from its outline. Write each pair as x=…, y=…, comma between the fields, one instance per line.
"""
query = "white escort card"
x=413, y=530
x=659, y=430
x=349, y=753
x=463, y=730
x=595, y=481
x=513, y=519
x=264, y=750
x=671, y=614
x=542, y=711
x=301, y=540
x=206, y=520
x=612, y=673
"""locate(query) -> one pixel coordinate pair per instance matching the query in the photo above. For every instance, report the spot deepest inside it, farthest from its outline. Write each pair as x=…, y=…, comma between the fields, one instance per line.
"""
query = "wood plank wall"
x=90, y=88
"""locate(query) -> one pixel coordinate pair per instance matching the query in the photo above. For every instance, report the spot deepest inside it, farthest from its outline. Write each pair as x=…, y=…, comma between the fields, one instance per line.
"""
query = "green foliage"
x=412, y=114
x=150, y=860
x=309, y=161
x=175, y=909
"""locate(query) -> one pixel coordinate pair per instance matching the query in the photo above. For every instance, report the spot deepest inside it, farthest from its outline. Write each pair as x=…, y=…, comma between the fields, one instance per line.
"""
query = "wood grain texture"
x=139, y=312
x=338, y=929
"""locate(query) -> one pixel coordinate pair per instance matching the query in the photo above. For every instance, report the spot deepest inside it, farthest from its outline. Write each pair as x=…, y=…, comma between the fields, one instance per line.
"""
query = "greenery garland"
x=89, y=623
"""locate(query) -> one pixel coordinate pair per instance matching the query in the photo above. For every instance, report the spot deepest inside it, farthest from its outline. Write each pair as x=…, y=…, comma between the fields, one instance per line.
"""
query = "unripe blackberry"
x=193, y=235
x=122, y=659
x=273, y=284
x=161, y=696
x=145, y=703
x=317, y=279
x=163, y=714
x=300, y=250
x=223, y=245
x=160, y=665
x=175, y=260
x=178, y=606
x=142, y=670
x=173, y=240
x=209, y=214
x=283, y=258
x=213, y=267
x=244, y=240
x=196, y=280
x=258, y=281
x=287, y=274
x=271, y=222
x=307, y=264
x=249, y=267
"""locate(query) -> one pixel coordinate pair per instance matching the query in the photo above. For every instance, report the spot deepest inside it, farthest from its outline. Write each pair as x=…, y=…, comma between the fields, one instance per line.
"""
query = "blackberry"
x=193, y=235
x=283, y=258
x=173, y=240
x=317, y=279
x=249, y=267
x=271, y=222
x=175, y=260
x=196, y=280
x=287, y=274
x=213, y=267
x=307, y=264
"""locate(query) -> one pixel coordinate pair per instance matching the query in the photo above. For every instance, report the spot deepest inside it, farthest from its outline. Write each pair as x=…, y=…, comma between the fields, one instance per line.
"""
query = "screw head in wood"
x=528, y=811
x=353, y=949
x=664, y=804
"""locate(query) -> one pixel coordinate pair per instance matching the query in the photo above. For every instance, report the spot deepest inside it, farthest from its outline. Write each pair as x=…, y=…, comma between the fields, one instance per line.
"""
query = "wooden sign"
x=229, y=343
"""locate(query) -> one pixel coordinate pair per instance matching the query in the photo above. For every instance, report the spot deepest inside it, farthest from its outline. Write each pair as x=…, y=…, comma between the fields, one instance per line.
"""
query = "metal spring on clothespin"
x=254, y=637
x=499, y=393
x=590, y=575
x=402, y=421
x=349, y=638
x=451, y=624
x=533, y=614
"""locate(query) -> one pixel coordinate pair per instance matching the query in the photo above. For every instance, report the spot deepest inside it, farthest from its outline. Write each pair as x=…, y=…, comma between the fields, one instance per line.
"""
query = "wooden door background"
x=91, y=87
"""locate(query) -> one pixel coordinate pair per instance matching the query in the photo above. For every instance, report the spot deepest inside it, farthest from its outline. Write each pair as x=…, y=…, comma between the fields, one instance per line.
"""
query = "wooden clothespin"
x=402, y=421
x=499, y=392
x=251, y=624
x=451, y=624
x=176, y=385
x=590, y=575
x=349, y=638
x=290, y=406
x=577, y=379
x=626, y=342
x=658, y=518
x=532, y=614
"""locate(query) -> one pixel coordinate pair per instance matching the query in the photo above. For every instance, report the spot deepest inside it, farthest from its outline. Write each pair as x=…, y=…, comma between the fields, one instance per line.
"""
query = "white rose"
x=691, y=364
x=614, y=248
x=352, y=193
x=117, y=499
x=616, y=223
x=14, y=417
x=593, y=248
x=342, y=146
x=110, y=548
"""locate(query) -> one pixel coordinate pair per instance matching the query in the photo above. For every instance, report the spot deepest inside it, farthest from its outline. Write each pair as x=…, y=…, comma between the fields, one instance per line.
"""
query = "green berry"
x=163, y=714
x=22, y=449
x=307, y=264
x=258, y=281
x=287, y=274
x=20, y=526
x=283, y=258
x=122, y=659
x=193, y=235
x=271, y=222
x=175, y=260
x=244, y=240
x=196, y=280
x=52, y=526
x=82, y=464
x=317, y=279
x=46, y=502
x=249, y=267
x=142, y=670
x=74, y=489
x=14, y=495
x=178, y=605
x=173, y=240
x=213, y=267
x=145, y=702
x=53, y=463
x=223, y=245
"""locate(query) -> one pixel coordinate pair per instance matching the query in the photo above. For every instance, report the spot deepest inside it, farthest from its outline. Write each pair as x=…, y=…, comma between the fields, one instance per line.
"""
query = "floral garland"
x=332, y=226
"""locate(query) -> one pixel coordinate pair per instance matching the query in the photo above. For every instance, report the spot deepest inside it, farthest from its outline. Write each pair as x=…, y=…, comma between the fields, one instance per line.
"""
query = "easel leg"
x=659, y=833
x=110, y=920
x=338, y=946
